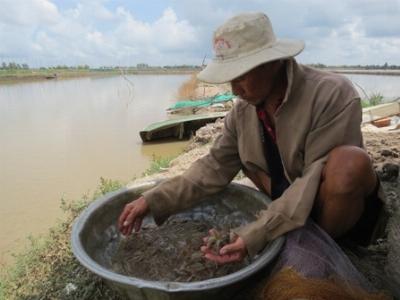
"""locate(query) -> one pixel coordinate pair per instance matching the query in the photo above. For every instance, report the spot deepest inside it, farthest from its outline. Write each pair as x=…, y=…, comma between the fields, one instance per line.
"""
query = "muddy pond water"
x=57, y=138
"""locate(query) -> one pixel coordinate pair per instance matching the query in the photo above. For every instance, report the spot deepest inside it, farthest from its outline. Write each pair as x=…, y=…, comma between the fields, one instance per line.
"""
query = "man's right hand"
x=132, y=216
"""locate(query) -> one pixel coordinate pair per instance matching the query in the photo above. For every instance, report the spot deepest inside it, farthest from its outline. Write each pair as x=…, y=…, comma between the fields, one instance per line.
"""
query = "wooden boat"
x=381, y=111
x=53, y=76
x=184, y=126
x=180, y=127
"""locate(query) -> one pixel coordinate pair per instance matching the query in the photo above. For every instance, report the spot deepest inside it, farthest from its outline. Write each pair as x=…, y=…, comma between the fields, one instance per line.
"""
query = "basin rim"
x=214, y=283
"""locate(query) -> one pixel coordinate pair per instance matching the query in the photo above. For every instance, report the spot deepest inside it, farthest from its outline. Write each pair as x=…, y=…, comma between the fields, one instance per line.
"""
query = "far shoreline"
x=34, y=75
x=364, y=71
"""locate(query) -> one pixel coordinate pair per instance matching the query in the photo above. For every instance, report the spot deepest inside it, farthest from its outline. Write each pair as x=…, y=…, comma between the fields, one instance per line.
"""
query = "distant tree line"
x=13, y=66
x=144, y=66
x=182, y=67
x=16, y=66
x=65, y=67
x=385, y=66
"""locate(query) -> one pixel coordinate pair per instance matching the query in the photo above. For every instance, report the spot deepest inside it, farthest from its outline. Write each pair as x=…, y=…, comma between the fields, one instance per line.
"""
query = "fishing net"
x=289, y=284
x=313, y=266
x=204, y=102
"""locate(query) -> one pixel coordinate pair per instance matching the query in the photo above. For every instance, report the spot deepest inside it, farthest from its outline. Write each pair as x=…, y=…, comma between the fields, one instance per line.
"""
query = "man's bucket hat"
x=243, y=43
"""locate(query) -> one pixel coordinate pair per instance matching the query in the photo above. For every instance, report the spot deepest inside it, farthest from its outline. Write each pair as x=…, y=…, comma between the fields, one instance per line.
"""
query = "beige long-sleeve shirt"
x=319, y=112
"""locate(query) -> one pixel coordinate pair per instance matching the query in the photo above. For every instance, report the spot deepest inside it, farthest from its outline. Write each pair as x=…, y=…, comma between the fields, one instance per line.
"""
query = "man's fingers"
x=237, y=245
x=122, y=217
x=224, y=259
x=130, y=218
x=138, y=224
x=128, y=230
x=229, y=248
x=236, y=256
x=205, y=250
x=123, y=230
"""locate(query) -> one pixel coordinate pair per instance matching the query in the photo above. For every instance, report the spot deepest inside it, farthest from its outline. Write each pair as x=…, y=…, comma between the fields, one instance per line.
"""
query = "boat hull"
x=178, y=128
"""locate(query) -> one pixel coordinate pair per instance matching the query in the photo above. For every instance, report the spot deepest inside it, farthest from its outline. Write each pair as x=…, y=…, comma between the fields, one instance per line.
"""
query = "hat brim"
x=221, y=71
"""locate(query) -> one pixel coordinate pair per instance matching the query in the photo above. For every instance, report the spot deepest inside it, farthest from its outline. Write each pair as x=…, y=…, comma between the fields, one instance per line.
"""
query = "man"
x=295, y=133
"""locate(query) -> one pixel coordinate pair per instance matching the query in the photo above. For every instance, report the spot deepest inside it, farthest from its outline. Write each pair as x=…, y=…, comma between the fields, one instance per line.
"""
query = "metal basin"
x=95, y=239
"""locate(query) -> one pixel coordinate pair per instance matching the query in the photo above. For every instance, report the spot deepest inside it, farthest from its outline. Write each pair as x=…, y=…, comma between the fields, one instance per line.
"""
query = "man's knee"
x=348, y=169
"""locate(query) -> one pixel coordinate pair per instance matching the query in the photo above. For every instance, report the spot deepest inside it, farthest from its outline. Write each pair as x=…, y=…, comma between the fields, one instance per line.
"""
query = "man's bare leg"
x=347, y=179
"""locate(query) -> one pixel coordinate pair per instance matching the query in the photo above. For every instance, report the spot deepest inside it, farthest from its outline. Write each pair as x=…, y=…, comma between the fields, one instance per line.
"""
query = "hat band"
x=221, y=58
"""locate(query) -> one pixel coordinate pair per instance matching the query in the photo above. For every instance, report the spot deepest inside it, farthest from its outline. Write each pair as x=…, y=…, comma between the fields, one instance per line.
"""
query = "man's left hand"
x=233, y=252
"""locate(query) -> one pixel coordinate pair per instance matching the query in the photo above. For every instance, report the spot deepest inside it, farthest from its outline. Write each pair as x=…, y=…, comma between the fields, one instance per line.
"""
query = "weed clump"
x=372, y=100
x=158, y=164
x=188, y=89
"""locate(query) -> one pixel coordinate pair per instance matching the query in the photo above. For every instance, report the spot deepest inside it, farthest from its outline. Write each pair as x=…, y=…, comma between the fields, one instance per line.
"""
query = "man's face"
x=256, y=85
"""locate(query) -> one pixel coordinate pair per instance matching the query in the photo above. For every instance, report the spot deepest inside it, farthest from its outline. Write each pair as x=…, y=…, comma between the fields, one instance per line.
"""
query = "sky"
x=176, y=32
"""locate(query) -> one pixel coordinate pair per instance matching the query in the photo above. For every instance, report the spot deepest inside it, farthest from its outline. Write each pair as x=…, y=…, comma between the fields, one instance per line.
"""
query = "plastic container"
x=95, y=239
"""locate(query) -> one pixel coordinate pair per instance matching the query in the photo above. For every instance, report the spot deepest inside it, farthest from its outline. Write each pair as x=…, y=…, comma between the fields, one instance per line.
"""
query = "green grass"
x=158, y=164
x=372, y=100
x=47, y=269
x=2, y=296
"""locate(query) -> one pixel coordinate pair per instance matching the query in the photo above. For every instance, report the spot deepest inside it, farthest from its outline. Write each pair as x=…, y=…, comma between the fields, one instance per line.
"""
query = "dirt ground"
x=380, y=262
